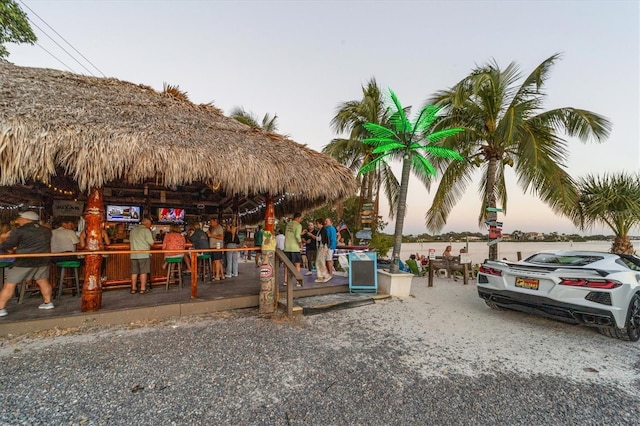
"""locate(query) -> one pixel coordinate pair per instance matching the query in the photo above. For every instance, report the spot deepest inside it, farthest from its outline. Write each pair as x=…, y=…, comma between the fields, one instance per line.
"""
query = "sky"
x=301, y=59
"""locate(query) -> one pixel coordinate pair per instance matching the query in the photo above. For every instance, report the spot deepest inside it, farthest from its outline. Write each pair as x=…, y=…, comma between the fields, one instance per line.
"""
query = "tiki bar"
x=110, y=154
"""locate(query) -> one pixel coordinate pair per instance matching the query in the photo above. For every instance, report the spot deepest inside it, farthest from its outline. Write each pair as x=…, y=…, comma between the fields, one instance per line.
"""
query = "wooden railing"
x=290, y=270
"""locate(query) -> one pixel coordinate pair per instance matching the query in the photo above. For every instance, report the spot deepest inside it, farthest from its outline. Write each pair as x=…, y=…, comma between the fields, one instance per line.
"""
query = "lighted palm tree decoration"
x=612, y=200
x=404, y=139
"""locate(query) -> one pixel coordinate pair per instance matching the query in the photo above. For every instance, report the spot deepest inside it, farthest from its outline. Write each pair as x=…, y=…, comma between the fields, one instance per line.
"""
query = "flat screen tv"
x=170, y=215
x=123, y=213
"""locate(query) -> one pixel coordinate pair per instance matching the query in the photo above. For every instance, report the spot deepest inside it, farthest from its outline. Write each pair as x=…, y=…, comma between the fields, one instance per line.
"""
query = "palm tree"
x=352, y=116
x=269, y=123
x=504, y=126
x=401, y=140
x=612, y=200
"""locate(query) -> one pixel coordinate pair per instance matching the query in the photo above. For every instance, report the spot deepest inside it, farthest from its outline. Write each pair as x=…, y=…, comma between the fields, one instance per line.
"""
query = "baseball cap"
x=29, y=215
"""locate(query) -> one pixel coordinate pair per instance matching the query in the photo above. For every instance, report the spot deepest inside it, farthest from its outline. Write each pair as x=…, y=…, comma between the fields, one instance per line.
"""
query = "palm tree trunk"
x=622, y=245
x=492, y=216
x=400, y=214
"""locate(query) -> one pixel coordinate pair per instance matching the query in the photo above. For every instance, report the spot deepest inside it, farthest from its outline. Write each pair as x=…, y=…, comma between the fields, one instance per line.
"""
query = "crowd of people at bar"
x=27, y=234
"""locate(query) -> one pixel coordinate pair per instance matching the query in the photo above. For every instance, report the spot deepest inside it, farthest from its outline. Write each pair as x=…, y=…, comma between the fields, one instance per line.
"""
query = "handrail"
x=288, y=267
x=101, y=252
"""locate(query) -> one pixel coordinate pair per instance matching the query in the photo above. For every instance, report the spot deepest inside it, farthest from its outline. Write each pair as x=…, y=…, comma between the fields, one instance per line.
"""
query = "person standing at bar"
x=29, y=237
x=332, y=233
x=293, y=242
x=232, y=256
x=311, y=248
x=140, y=238
x=216, y=241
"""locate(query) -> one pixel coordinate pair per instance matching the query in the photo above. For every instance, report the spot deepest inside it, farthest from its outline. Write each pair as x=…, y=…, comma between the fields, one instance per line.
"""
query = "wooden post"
x=268, y=268
x=270, y=215
x=431, y=272
x=92, y=285
x=194, y=275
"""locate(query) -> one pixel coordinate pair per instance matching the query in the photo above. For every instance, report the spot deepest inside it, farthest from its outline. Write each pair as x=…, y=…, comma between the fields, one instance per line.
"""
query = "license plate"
x=527, y=283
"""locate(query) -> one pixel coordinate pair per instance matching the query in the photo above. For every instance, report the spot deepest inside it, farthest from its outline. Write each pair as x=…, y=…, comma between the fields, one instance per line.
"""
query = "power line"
x=56, y=58
x=58, y=34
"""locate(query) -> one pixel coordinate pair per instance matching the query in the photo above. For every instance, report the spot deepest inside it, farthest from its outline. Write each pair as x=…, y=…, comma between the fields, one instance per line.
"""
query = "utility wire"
x=65, y=40
x=56, y=58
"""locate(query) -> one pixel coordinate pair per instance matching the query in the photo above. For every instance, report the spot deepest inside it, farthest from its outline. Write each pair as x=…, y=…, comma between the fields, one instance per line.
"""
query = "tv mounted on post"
x=170, y=215
x=124, y=213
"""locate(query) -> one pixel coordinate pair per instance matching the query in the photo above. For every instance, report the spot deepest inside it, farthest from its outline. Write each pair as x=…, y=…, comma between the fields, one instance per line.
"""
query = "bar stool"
x=63, y=267
x=174, y=267
x=204, y=266
x=2, y=266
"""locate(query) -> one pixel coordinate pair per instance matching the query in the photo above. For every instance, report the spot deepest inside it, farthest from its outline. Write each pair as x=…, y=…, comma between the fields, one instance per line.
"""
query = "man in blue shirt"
x=332, y=233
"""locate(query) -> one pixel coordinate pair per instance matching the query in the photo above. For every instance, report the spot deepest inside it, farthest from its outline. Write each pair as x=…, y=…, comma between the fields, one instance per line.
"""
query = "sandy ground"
x=449, y=331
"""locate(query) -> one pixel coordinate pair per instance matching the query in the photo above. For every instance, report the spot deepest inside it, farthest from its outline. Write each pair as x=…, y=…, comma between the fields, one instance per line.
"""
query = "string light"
x=263, y=205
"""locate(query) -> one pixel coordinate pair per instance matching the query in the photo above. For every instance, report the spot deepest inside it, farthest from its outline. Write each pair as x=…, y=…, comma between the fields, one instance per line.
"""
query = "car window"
x=553, y=259
x=630, y=262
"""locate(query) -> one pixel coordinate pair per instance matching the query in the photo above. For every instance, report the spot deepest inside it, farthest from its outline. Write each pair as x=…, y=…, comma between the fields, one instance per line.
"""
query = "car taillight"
x=590, y=283
x=490, y=271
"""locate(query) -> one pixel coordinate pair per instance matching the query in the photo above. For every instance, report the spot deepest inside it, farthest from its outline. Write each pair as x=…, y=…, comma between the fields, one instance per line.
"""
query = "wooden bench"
x=450, y=265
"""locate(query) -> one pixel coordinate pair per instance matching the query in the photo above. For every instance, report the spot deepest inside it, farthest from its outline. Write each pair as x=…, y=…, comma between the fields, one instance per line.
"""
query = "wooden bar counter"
x=118, y=268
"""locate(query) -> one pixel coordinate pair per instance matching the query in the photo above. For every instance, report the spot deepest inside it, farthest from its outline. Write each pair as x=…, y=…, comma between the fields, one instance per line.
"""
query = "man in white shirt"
x=64, y=239
x=280, y=240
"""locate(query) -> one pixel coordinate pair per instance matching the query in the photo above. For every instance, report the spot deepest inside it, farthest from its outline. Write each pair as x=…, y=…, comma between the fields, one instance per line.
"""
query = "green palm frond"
x=399, y=118
x=443, y=134
x=379, y=141
x=373, y=164
x=380, y=131
x=390, y=146
x=439, y=151
x=427, y=117
x=422, y=166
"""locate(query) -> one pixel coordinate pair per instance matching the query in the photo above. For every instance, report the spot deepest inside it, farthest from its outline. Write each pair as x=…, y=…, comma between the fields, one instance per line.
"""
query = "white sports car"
x=581, y=287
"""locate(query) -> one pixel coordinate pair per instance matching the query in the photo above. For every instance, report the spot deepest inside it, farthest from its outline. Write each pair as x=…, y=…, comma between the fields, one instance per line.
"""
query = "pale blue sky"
x=300, y=59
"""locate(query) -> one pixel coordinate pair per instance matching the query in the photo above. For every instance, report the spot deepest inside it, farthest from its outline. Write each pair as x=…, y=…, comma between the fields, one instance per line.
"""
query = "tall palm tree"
x=505, y=126
x=402, y=140
x=351, y=116
x=612, y=200
x=269, y=122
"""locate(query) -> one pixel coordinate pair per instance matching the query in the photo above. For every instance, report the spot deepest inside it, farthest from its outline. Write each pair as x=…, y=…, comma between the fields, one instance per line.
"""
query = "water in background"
x=478, y=251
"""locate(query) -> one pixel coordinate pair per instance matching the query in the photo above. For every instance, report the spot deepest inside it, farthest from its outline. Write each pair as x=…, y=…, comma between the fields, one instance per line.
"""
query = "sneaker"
x=235, y=275
x=329, y=278
x=228, y=276
x=309, y=273
x=3, y=313
x=319, y=280
x=46, y=306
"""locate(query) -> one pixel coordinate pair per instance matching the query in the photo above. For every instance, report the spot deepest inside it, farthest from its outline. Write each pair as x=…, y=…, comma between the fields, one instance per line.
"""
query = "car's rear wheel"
x=631, y=330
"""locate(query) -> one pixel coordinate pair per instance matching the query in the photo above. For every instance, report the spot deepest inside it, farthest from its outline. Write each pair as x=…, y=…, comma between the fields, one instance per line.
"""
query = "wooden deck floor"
x=232, y=293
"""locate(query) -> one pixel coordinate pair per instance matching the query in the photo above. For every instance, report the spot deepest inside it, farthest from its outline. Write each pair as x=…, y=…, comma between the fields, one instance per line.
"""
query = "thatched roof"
x=101, y=130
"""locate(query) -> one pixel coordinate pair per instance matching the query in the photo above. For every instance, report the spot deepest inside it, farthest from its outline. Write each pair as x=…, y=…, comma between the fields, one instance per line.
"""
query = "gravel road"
x=439, y=357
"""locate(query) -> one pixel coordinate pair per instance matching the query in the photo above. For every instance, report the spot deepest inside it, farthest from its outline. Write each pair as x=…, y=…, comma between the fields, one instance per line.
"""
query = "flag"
x=342, y=226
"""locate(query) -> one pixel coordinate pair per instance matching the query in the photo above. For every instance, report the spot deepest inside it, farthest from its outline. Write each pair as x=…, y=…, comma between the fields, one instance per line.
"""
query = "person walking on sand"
x=29, y=237
x=140, y=238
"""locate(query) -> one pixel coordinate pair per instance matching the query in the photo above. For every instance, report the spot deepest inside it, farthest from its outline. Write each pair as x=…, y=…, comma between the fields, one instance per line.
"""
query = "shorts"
x=294, y=256
x=329, y=257
x=217, y=255
x=16, y=274
x=140, y=266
